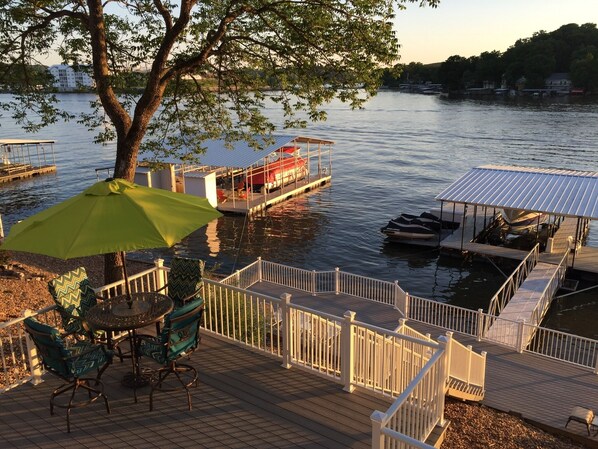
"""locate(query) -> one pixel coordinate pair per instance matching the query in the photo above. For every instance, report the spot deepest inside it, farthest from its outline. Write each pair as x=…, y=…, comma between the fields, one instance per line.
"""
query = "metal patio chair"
x=70, y=364
x=179, y=338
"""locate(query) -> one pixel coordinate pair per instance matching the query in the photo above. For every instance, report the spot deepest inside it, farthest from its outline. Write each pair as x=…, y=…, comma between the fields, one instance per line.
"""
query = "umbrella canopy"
x=111, y=216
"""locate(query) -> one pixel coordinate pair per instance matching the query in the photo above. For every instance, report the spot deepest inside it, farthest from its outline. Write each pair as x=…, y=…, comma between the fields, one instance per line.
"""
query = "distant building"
x=558, y=82
x=66, y=79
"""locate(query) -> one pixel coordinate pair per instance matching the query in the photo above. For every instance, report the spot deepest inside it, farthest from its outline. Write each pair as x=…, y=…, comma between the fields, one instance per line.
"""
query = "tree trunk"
x=113, y=268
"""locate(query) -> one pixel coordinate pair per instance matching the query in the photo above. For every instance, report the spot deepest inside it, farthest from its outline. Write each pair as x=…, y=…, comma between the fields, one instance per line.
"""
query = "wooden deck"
x=522, y=305
x=244, y=400
x=538, y=388
x=258, y=202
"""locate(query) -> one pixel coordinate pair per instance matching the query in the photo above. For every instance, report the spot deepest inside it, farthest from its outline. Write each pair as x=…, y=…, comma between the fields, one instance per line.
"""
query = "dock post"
x=285, y=306
x=336, y=281
x=313, y=283
x=347, y=351
x=259, y=269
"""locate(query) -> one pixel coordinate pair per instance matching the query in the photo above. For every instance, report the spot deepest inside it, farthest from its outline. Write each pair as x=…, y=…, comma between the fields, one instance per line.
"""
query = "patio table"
x=122, y=313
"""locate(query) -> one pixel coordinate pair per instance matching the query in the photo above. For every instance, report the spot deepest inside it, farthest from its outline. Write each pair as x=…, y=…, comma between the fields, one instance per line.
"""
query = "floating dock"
x=257, y=202
x=22, y=158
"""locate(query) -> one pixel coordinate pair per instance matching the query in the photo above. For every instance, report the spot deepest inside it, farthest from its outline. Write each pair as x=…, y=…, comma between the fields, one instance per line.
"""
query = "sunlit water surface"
x=393, y=156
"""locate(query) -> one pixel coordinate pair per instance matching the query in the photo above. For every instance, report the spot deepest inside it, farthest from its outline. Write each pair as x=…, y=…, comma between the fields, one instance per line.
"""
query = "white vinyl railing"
x=453, y=318
x=508, y=289
x=457, y=319
x=569, y=348
x=245, y=277
x=415, y=413
x=551, y=288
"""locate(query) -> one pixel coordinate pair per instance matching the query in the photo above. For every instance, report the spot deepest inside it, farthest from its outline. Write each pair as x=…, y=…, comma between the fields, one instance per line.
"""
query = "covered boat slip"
x=569, y=197
x=237, y=177
x=24, y=158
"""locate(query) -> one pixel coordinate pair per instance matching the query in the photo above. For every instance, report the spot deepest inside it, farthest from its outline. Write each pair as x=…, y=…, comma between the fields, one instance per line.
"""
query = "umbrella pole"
x=127, y=286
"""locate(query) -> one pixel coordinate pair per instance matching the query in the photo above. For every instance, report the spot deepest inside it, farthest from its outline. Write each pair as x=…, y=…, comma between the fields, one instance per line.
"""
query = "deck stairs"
x=459, y=389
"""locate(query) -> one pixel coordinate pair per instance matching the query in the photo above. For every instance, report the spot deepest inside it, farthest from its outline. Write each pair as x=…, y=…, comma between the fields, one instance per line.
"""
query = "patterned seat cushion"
x=74, y=296
x=185, y=279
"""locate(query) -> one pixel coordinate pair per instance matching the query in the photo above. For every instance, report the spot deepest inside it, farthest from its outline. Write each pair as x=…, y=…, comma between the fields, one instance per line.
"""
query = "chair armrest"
x=194, y=294
x=164, y=287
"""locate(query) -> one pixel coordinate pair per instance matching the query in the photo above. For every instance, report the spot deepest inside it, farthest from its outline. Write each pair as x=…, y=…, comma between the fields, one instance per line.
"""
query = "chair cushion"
x=184, y=279
x=582, y=414
x=74, y=296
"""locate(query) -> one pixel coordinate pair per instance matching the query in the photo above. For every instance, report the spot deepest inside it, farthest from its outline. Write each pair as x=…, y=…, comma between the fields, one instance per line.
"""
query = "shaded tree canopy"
x=206, y=63
x=571, y=48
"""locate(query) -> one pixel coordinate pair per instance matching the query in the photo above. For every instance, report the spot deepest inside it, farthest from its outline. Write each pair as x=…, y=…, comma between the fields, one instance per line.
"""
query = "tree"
x=310, y=50
x=455, y=71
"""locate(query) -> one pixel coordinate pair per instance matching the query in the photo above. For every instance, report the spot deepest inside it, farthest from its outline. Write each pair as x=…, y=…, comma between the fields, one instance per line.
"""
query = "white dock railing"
x=446, y=316
x=551, y=288
x=319, y=282
x=508, y=289
x=464, y=364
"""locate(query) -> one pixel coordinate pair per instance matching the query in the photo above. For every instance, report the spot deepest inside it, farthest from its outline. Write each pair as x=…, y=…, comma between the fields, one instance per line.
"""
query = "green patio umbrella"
x=111, y=216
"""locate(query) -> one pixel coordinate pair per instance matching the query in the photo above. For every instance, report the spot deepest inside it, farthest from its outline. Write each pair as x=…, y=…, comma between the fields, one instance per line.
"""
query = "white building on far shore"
x=66, y=79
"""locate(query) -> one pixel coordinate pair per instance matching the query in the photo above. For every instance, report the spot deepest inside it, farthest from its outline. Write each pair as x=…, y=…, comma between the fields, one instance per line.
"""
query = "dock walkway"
x=523, y=305
x=540, y=389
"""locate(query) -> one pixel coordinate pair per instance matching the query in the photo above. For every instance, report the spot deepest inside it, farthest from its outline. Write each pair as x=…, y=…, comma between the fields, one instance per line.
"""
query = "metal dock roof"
x=554, y=191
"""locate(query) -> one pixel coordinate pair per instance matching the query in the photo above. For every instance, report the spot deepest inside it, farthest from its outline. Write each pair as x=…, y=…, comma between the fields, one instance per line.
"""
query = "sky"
x=470, y=27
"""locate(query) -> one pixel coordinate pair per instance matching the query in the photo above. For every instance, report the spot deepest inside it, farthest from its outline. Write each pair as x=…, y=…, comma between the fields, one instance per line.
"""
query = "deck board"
x=244, y=400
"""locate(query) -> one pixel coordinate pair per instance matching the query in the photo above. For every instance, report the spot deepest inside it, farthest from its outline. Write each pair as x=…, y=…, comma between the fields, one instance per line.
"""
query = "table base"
x=130, y=380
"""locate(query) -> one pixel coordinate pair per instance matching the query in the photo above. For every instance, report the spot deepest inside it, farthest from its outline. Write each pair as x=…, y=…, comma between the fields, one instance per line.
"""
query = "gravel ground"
x=473, y=426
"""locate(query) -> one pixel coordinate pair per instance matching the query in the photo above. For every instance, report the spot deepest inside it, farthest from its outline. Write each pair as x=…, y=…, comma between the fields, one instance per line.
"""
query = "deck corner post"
x=336, y=281
x=259, y=270
x=160, y=274
x=377, y=436
x=400, y=299
x=285, y=305
x=480, y=329
x=520, y=340
x=347, y=351
x=33, y=358
x=449, y=355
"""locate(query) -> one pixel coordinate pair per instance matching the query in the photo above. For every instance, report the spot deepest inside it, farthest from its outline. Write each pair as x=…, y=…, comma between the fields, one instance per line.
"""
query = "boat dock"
x=22, y=158
x=255, y=202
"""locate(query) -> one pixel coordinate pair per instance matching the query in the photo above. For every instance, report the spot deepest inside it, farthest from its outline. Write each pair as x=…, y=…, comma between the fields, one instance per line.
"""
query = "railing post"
x=596, y=362
x=336, y=281
x=401, y=300
x=160, y=274
x=287, y=334
x=520, y=340
x=480, y=333
x=347, y=351
x=259, y=269
x=469, y=355
x=402, y=322
x=35, y=364
x=377, y=435
x=484, y=353
x=238, y=275
x=444, y=341
x=449, y=337
x=313, y=283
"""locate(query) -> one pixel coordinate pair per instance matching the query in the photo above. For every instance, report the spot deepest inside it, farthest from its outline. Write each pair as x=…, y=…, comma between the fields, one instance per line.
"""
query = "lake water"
x=393, y=156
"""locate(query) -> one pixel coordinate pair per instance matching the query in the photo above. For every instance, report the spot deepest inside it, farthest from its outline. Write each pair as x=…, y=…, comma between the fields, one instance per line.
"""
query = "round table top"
x=118, y=313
